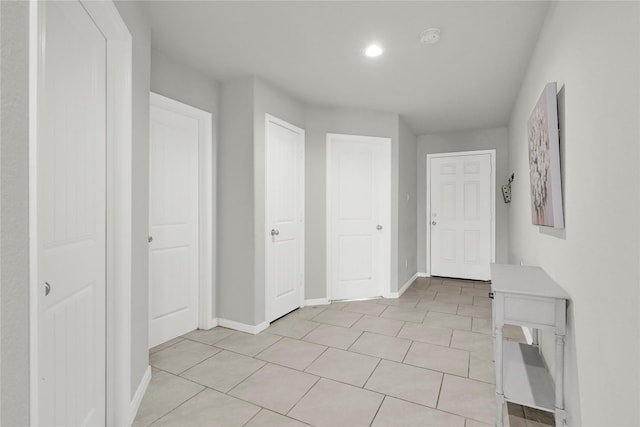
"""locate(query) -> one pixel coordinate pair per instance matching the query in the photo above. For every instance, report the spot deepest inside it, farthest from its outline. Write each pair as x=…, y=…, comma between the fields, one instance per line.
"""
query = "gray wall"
x=319, y=122
x=466, y=141
x=241, y=207
x=14, y=213
x=407, y=204
x=596, y=257
x=235, y=212
x=271, y=100
x=176, y=81
x=134, y=16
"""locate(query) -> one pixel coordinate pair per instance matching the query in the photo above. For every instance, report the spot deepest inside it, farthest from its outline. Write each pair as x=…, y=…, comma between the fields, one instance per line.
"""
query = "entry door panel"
x=71, y=218
x=359, y=180
x=173, y=225
x=285, y=218
x=460, y=217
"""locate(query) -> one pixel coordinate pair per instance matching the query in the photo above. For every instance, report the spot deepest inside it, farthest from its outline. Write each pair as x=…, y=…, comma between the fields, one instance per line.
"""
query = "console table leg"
x=499, y=379
x=499, y=410
x=559, y=413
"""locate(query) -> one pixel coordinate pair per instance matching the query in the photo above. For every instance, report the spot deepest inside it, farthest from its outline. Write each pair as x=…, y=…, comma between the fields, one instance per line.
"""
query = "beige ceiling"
x=313, y=50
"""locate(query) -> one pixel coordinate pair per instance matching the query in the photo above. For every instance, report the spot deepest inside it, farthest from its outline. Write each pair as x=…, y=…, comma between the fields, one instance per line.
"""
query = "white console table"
x=527, y=296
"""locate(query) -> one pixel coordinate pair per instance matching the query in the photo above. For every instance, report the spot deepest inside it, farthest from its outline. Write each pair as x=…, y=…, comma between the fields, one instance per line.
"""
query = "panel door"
x=285, y=218
x=173, y=225
x=359, y=210
x=71, y=216
x=460, y=217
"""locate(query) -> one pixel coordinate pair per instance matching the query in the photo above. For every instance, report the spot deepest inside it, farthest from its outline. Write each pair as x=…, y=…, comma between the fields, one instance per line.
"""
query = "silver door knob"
x=379, y=227
x=47, y=288
x=275, y=232
x=150, y=239
x=433, y=223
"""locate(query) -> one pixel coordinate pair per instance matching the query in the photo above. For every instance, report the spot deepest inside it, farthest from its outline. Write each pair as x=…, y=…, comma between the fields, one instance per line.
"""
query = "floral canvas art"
x=544, y=161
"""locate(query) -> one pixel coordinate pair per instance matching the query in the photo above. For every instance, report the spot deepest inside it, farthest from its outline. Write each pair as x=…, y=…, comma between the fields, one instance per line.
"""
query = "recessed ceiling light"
x=430, y=36
x=373, y=50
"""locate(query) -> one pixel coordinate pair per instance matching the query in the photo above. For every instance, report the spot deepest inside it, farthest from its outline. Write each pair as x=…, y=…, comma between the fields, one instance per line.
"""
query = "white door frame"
x=329, y=196
x=301, y=194
x=206, y=197
x=118, y=205
x=492, y=154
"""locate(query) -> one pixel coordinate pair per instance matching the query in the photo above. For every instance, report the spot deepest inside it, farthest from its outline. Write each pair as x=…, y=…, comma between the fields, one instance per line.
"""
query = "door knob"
x=275, y=232
x=150, y=239
x=47, y=288
x=433, y=223
x=379, y=227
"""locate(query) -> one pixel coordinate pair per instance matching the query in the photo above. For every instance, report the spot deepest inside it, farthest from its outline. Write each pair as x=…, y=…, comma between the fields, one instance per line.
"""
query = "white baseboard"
x=402, y=289
x=139, y=394
x=317, y=301
x=407, y=284
x=209, y=324
x=243, y=327
x=419, y=274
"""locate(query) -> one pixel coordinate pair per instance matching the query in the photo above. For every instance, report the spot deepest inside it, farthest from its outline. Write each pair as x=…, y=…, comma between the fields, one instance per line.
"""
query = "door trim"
x=356, y=138
x=492, y=154
x=118, y=208
x=301, y=195
x=206, y=209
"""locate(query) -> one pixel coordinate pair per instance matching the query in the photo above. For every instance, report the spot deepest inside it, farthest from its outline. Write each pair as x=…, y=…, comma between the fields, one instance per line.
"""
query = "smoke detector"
x=430, y=36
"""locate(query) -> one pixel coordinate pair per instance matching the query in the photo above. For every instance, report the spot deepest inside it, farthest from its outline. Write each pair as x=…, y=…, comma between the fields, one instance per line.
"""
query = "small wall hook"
x=506, y=190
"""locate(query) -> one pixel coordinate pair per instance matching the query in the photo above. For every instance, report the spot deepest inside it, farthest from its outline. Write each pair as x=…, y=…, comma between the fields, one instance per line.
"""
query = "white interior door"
x=359, y=206
x=460, y=216
x=285, y=218
x=71, y=216
x=173, y=224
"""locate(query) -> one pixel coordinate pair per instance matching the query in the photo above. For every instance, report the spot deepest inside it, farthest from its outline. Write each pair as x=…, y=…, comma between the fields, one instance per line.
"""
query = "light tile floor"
x=423, y=359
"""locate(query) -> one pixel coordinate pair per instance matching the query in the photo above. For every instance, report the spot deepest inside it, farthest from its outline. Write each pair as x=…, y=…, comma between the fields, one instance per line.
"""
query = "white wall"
x=134, y=17
x=407, y=204
x=592, y=50
x=14, y=213
x=484, y=139
x=176, y=81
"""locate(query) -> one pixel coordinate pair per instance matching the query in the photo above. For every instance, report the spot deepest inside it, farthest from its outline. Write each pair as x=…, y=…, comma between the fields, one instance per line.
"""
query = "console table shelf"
x=526, y=378
x=527, y=296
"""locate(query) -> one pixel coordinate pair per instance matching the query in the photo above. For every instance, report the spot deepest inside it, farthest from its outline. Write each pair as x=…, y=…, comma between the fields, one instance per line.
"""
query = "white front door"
x=285, y=217
x=71, y=216
x=173, y=224
x=359, y=206
x=460, y=216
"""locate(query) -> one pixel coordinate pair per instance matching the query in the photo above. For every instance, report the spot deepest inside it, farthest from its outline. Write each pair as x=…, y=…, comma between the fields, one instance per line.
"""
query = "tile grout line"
x=384, y=397
x=198, y=393
x=370, y=375
x=303, y=396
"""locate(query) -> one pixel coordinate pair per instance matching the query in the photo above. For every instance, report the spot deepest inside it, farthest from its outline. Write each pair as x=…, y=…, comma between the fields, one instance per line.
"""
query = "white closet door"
x=359, y=211
x=173, y=225
x=71, y=218
x=285, y=217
